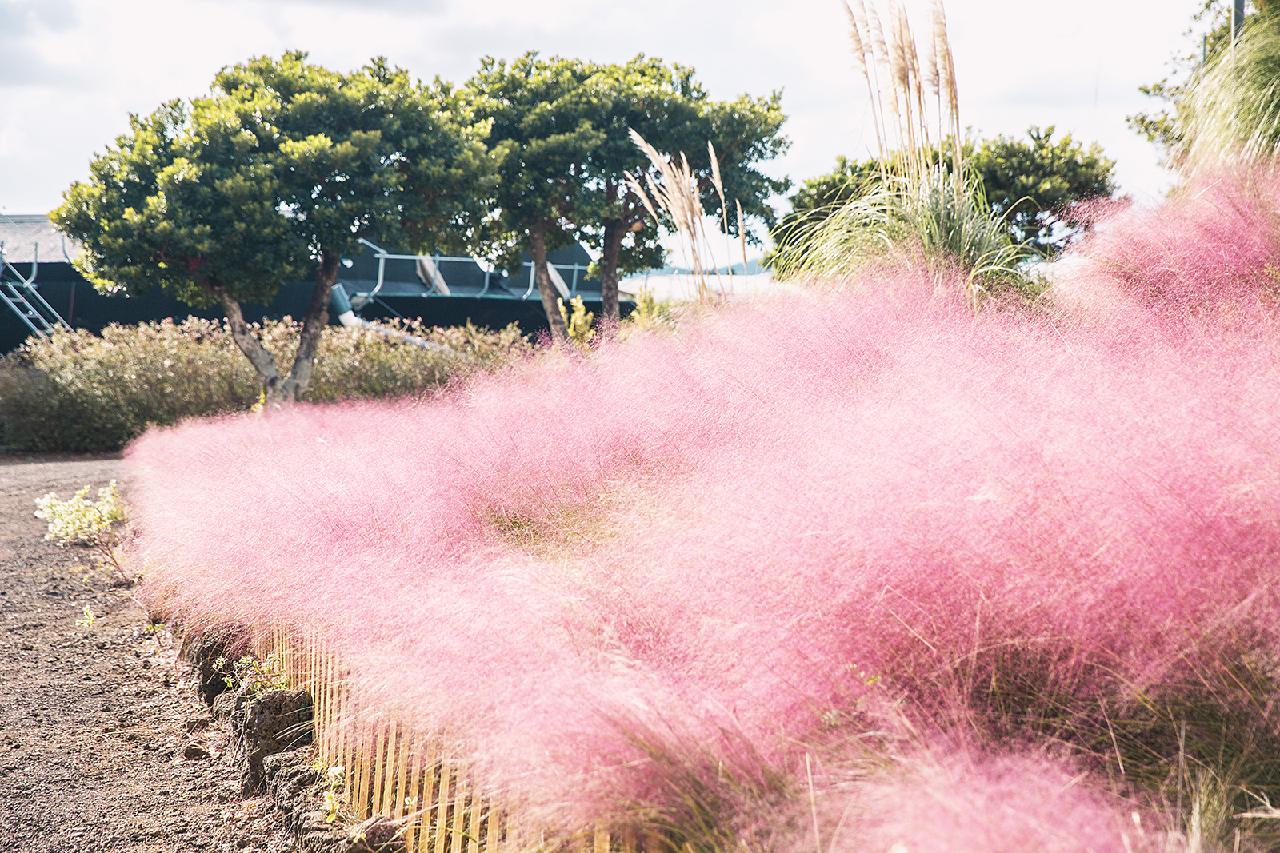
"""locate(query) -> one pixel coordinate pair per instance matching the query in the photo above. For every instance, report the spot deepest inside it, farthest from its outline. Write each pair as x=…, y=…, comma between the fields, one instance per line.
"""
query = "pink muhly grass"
x=956, y=803
x=1213, y=241
x=865, y=508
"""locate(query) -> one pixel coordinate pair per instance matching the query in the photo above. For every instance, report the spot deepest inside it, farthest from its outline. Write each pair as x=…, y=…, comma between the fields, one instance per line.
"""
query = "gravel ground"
x=103, y=746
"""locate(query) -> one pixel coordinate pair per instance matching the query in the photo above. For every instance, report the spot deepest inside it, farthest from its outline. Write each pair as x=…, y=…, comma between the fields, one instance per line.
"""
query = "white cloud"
x=23, y=27
x=89, y=63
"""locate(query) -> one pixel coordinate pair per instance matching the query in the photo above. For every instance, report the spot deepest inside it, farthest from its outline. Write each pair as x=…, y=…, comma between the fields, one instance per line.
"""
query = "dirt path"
x=102, y=745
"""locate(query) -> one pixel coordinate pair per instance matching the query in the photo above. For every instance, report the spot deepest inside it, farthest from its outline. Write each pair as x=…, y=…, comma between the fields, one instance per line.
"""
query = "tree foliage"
x=539, y=115
x=1030, y=182
x=284, y=166
x=563, y=127
x=1210, y=32
x=667, y=106
x=1033, y=183
x=273, y=176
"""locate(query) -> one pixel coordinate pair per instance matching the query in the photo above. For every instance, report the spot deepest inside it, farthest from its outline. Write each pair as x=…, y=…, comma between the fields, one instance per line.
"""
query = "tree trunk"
x=550, y=299
x=263, y=361
x=313, y=325
x=609, y=259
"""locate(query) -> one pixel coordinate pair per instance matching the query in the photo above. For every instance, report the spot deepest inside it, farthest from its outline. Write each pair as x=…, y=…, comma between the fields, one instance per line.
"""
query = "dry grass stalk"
x=899, y=86
x=676, y=192
x=947, y=79
x=924, y=204
x=718, y=183
x=865, y=56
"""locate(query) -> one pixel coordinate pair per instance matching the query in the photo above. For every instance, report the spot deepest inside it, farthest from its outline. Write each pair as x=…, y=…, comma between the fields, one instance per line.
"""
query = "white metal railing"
x=428, y=268
x=24, y=300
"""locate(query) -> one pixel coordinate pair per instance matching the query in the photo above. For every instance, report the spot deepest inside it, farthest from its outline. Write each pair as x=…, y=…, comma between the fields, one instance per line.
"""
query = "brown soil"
x=103, y=746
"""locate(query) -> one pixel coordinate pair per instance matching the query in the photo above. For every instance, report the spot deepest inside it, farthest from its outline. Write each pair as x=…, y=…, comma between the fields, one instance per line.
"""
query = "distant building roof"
x=22, y=234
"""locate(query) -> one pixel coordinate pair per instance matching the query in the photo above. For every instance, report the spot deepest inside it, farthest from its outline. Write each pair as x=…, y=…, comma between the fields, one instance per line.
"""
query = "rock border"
x=270, y=733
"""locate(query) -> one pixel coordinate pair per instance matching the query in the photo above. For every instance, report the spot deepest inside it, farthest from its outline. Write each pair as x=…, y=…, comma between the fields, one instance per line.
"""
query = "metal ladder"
x=24, y=300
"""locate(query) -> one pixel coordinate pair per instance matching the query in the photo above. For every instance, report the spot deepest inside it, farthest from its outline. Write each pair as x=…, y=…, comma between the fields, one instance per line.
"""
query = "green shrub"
x=1231, y=115
x=79, y=520
x=76, y=391
x=650, y=313
x=933, y=214
x=89, y=523
x=578, y=321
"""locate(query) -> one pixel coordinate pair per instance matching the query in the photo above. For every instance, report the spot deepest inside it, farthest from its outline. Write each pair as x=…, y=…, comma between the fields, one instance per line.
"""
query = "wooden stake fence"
x=389, y=770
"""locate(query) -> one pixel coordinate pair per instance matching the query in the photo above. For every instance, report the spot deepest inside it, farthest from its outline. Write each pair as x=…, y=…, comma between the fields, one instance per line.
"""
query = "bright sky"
x=72, y=70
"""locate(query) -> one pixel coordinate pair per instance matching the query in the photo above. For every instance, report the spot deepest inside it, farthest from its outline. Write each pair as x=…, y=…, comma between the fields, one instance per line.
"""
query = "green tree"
x=272, y=177
x=668, y=107
x=1030, y=182
x=1210, y=32
x=1033, y=182
x=539, y=114
x=563, y=128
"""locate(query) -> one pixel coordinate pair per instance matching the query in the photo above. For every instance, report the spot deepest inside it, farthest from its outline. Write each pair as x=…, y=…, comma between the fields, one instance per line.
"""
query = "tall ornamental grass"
x=925, y=208
x=851, y=568
x=1232, y=112
x=77, y=391
x=917, y=220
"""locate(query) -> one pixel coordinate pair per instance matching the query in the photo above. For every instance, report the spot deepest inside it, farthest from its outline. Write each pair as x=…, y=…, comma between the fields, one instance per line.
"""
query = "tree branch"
x=313, y=324
x=550, y=301
x=263, y=361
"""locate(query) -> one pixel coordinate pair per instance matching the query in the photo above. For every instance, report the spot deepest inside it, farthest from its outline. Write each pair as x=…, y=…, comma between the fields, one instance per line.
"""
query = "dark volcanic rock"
x=194, y=751
x=212, y=660
x=265, y=724
x=378, y=834
x=225, y=705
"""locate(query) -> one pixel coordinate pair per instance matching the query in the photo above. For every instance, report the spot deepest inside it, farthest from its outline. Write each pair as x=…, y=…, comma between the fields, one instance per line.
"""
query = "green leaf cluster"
x=562, y=127
x=281, y=165
x=1028, y=182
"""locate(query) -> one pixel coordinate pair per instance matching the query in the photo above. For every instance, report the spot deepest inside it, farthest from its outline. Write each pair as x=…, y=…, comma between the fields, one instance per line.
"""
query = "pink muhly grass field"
x=965, y=804
x=853, y=509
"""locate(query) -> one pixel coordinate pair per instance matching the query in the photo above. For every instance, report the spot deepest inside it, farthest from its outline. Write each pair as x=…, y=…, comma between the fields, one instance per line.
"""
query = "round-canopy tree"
x=540, y=123
x=270, y=178
x=1031, y=183
x=667, y=106
x=564, y=128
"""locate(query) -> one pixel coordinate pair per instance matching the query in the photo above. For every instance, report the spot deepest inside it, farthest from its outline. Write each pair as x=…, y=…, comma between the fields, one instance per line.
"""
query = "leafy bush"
x=650, y=313
x=936, y=216
x=90, y=523
x=79, y=520
x=579, y=322
x=78, y=391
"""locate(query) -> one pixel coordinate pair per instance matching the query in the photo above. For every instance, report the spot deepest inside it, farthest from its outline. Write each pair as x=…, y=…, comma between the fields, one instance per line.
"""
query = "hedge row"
x=77, y=391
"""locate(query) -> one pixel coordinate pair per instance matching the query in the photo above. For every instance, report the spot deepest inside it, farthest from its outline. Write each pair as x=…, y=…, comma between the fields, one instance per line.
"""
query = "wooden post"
x=386, y=801
x=430, y=778
x=440, y=821
x=459, y=810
